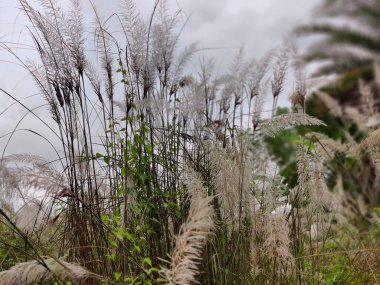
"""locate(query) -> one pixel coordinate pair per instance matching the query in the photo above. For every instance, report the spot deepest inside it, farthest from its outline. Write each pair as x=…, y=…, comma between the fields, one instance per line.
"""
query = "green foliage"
x=285, y=155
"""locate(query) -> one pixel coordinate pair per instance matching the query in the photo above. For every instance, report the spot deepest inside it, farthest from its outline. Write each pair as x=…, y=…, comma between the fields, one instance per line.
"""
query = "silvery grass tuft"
x=187, y=253
x=154, y=160
x=33, y=272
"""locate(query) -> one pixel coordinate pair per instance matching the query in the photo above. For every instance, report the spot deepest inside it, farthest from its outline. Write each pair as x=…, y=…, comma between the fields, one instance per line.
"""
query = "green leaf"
x=117, y=275
x=118, y=233
x=137, y=248
x=130, y=279
x=153, y=269
x=115, y=218
x=103, y=217
x=148, y=261
x=111, y=256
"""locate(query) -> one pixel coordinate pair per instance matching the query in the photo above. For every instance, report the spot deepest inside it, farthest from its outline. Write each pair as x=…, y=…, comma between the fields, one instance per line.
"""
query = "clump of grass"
x=121, y=197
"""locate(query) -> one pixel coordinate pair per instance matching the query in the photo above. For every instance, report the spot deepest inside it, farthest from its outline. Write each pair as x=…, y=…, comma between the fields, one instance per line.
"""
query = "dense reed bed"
x=165, y=175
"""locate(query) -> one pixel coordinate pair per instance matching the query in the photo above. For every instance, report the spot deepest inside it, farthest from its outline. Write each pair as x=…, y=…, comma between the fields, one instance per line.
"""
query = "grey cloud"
x=226, y=24
x=201, y=12
x=259, y=25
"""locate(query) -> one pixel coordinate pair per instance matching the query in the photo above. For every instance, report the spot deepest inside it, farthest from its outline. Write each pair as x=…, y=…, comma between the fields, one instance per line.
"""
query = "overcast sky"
x=222, y=25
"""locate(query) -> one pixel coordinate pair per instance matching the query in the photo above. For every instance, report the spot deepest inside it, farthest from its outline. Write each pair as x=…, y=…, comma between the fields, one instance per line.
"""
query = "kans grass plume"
x=192, y=237
x=34, y=272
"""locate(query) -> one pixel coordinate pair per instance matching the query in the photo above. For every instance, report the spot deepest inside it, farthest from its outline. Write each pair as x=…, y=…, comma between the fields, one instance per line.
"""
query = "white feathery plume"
x=277, y=242
x=367, y=98
x=356, y=117
x=372, y=144
x=311, y=180
x=331, y=103
x=326, y=146
x=39, y=174
x=271, y=127
x=376, y=71
x=33, y=272
x=227, y=183
x=192, y=236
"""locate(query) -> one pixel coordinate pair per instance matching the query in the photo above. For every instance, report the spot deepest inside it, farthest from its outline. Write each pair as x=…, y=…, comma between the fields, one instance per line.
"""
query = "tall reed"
x=155, y=160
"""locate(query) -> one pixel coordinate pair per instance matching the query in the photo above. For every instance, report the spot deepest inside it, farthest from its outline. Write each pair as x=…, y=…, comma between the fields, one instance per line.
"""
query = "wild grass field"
x=165, y=174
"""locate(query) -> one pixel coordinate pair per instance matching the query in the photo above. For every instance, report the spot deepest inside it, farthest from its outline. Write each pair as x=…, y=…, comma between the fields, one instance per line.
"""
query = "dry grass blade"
x=33, y=272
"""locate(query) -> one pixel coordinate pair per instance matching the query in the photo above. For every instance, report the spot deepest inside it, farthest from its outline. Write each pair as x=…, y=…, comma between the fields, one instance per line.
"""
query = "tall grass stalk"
x=133, y=126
